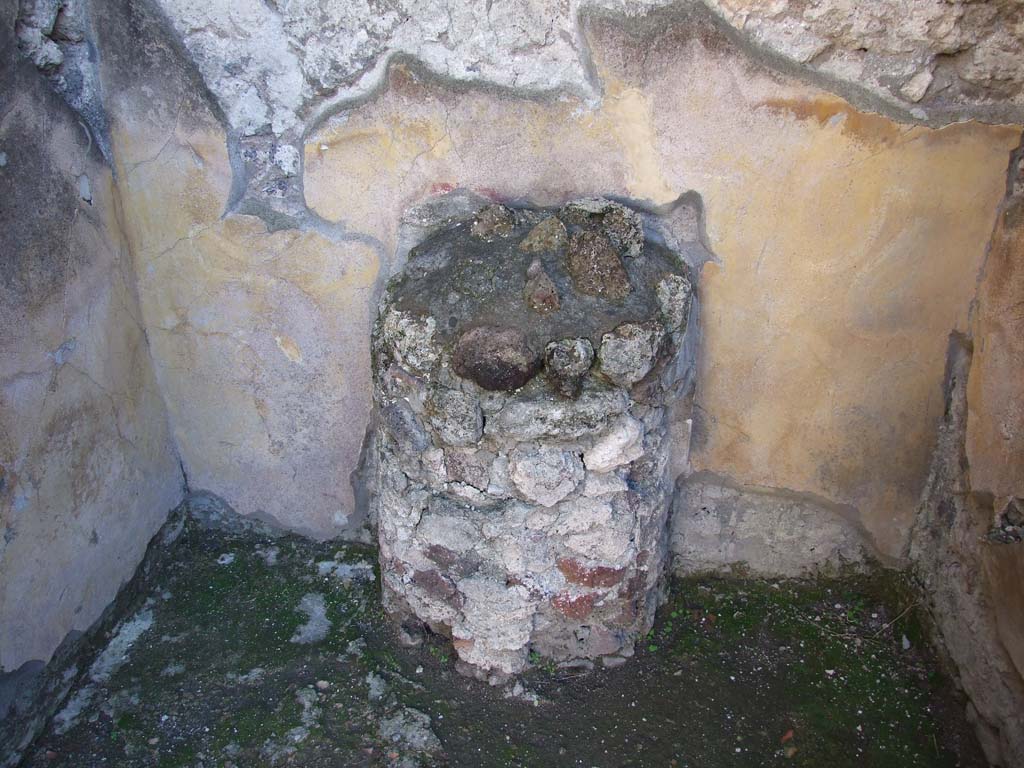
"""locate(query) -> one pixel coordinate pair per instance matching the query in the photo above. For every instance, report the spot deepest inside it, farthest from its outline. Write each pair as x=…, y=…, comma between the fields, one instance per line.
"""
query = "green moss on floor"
x=822, y=661
x=735, y=673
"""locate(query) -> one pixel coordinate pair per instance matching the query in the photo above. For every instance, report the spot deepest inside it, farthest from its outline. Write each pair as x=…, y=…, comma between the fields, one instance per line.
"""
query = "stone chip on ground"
x=317, y=625
x=410, y=729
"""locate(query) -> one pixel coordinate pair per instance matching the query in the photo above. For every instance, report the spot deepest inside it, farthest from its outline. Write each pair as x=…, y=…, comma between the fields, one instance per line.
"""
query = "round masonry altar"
x=523, y=364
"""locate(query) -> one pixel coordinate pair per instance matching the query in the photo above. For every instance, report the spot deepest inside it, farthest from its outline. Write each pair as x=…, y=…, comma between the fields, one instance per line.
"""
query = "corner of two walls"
x=259, y=337
x=844, y=258
x=88, y=470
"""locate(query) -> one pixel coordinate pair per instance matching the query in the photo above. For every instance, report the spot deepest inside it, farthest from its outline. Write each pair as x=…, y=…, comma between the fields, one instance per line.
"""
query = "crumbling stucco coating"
x=968, y=579
x=845, y=259
x=967, y=545
x=843, y=324
x=756, y=532
x=935, y=53
x=272, y=66
x=995, y=417
x=260, y=339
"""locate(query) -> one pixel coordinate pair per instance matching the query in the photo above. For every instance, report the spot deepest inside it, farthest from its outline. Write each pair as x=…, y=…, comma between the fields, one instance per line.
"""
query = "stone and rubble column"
x=523, y=366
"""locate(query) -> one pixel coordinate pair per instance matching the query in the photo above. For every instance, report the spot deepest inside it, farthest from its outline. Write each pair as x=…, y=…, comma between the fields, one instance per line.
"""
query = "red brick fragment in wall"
x=589, y=576
x=574, y=607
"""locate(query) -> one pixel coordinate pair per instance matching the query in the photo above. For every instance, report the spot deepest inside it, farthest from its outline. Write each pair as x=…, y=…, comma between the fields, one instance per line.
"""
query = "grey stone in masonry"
x=522, y=489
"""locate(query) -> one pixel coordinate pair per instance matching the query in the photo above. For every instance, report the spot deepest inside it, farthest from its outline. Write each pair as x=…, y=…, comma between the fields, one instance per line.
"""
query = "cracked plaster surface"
x=279, y=69
x=279, y=66
x=275, y=65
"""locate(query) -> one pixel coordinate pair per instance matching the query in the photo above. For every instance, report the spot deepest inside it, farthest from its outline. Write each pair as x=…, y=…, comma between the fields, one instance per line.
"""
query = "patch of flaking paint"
x=289, y=348
x=629, y=115
x=863, y=127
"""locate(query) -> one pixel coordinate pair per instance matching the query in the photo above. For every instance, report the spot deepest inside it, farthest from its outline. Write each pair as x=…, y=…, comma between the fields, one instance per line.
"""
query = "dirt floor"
x=257, y=651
